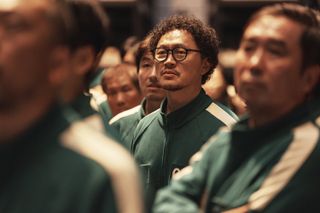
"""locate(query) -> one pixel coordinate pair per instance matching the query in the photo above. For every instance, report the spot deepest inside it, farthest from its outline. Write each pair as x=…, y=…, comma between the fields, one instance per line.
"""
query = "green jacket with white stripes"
x=126, y=122
x=273, y=168
x=163, y=143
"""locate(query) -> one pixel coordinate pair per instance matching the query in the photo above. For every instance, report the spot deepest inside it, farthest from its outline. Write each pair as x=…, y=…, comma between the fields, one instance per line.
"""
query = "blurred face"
x=25, y=47
x=268, y=71
x=122, y=93
x=148, y=80
x=176, y=75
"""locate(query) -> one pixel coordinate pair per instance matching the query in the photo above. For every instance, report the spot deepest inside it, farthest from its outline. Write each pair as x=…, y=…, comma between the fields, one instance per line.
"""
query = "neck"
x=15, y=120
x=72, y=90
x=151, y=105
x=260, y=117
x=180, y=98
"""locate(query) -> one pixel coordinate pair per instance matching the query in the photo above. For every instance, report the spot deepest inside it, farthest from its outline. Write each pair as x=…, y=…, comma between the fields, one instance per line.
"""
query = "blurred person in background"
x=110, y=58
x=121, y=85
x=129, y=49
x=86, y=44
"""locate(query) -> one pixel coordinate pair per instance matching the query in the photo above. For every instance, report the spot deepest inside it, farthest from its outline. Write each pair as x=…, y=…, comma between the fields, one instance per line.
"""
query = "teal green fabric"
x=81, y=105
x=38, y=174
x=96, y=77
x=235, y=164
x=105, y=111
x=164, y=143
x=127, y=124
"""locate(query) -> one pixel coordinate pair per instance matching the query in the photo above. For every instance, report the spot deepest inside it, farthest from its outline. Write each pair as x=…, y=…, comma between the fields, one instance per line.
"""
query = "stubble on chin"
x=171, y=87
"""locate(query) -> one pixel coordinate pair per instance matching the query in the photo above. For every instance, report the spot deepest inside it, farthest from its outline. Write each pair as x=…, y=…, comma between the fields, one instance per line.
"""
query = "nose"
x=255, y=62
x=170, y=61
x=153, y=75
x=120, y=100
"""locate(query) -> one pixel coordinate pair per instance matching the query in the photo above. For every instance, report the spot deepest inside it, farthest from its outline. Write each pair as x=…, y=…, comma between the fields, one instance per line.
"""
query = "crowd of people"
x=170, y=123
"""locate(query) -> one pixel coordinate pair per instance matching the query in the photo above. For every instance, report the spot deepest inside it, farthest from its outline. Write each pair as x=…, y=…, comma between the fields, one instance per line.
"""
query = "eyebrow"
x=271, y=41
x=167, y=46
x=144, y=58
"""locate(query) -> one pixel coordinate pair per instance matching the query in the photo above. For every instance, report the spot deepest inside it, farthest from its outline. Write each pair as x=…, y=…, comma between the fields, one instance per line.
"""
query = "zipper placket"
x=165, y=152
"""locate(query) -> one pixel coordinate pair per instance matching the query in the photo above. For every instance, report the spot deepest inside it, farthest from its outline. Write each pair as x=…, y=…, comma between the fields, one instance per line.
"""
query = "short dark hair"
x=143, y=48
x=60, y=19
x=121, y=70
x=308, y=18
x=91, y=25
x=205, y=37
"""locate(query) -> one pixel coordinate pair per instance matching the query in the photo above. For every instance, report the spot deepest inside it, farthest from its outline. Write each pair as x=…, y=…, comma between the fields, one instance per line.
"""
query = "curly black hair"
x=205, y=37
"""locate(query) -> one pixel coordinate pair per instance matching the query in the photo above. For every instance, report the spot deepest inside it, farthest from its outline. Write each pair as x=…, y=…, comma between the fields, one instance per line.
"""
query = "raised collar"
x=142, y=111
x=179, y=117
x=300, y=114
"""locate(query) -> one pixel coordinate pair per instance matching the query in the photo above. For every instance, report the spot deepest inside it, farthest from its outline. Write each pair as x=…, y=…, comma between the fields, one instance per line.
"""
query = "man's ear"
x=311, y=77
x=205, y=66
x=83, y=59
x=59, y=65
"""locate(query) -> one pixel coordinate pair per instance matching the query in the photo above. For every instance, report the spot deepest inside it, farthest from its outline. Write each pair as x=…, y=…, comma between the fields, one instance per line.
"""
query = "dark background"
x=135, y=17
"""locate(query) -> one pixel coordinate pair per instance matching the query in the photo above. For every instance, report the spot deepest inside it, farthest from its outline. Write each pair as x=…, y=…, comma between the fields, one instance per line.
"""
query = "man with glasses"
x=185, y=51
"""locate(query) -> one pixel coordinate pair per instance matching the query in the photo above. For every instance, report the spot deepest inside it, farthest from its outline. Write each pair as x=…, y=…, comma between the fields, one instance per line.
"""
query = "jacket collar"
x=179, y=117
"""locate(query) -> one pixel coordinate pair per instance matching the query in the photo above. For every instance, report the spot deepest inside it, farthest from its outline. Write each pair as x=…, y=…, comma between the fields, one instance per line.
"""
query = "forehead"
x=116, y=74
x=177, y=37
x=118, y=81
x=274, y=27
x=147, y=56
x=13, y=5
x=35, y=11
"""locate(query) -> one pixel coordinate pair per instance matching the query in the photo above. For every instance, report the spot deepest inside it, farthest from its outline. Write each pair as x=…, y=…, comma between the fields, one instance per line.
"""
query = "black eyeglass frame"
x=172, y=51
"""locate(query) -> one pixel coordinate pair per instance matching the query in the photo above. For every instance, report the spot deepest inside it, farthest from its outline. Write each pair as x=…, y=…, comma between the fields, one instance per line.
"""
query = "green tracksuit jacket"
x=274, y=168
x=81, y=105
x=126, y=122
x=42, y=171
x=164, y=143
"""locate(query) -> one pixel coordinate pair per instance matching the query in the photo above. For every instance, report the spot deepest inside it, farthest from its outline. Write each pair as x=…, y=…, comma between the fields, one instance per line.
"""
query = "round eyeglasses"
x=178, y=53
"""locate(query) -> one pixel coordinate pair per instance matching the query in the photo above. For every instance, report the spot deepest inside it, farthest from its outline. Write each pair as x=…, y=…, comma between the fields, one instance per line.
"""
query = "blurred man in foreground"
x=47, y=164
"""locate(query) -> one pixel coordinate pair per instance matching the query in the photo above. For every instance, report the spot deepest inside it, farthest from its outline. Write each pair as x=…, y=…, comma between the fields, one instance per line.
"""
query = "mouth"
x=250, y=84
x=251, y=87
x=155, y=86
x=169, y=72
